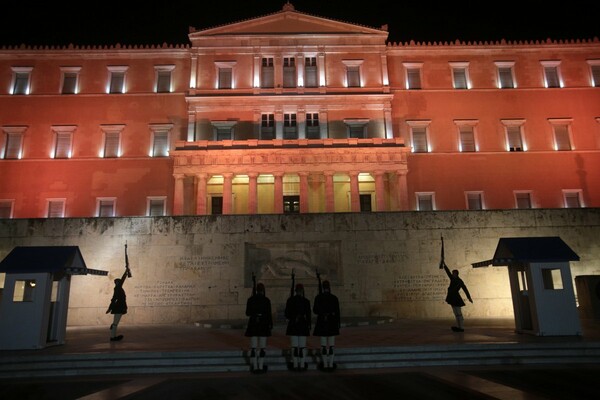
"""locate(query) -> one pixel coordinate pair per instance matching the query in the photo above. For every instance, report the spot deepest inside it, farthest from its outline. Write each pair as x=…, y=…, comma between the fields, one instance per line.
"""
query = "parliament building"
x=291, y=112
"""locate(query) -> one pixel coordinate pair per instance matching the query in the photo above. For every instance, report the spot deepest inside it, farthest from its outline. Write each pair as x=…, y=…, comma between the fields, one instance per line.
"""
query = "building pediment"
x=288, y=21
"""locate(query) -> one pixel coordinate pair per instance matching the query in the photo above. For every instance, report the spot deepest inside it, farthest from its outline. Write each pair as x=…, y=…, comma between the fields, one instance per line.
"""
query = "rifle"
x=253, y=284
x=320, y=285
x=127, y=262
x=293, y=283
x=442, y=262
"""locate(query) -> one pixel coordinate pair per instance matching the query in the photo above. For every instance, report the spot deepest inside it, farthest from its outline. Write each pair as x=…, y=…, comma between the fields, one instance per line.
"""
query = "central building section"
x=289, y=113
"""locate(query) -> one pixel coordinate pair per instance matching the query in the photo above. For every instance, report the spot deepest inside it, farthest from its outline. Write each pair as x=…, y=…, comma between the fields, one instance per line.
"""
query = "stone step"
x=276, y=360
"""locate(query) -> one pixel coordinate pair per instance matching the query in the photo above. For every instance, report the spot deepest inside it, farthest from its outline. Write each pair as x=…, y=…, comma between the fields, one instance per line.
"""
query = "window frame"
x=268, y=122
x=290, y=125
x=572, y=193
x=473, y=125
x=267, y=64
x=62, y=131
x=16, y=83
x=60, y=202
x=425, y=195
x=353, y=123
x=410, y=83
x=552, y=65
x=412, y=124
x=289, y=72
x=111, y=129
x=502, y=65
x=160, y=71
x=514, y=123
x=469, y=195
x=594, y=69
x=155, y=131
x=518, y=193
x=17, y=132
x=218, y=125
x=149, y=206
x=308, y=71
x=313, y=130
x=69, y=70
x=7, y=204
x=353, y=67
x=113, y=72
x=113, y=202
x=568, y=136
x=220, y=67
x=460, y=66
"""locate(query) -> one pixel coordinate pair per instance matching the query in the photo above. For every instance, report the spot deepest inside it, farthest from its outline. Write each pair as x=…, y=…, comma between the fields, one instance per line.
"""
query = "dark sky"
x=155, y=22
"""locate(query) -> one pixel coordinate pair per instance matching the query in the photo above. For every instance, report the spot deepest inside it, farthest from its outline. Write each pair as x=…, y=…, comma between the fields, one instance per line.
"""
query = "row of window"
x=105, y=207
x=513, y=129
x=307, y=77
x=474, y=200
x=156, y=206
x=63, y=141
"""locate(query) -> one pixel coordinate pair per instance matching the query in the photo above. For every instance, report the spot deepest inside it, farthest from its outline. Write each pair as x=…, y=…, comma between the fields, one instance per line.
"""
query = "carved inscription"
x=421, y=287
x=167, y=293
x=379, y=258
x=201, y=263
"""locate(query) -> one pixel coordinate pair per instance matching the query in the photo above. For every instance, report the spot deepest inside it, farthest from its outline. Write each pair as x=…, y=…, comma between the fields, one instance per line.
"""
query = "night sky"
x=157, y=22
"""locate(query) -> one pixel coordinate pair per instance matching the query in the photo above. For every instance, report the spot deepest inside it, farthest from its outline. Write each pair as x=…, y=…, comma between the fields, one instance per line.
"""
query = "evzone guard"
x=260, y=324
x=327, y=308
x=298, y=314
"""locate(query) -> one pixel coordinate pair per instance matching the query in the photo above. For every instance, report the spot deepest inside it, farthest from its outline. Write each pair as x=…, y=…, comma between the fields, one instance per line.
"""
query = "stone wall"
x=187, y=269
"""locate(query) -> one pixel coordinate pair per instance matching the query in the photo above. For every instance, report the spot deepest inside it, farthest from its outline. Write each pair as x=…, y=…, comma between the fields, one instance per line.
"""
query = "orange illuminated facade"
x=295, y=113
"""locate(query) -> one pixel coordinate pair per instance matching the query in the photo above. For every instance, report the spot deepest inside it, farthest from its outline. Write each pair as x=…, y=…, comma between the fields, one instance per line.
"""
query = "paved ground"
x=510, y=382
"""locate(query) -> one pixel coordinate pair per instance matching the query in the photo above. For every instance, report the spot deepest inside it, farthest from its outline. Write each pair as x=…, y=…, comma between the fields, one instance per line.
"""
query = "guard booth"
x=541, y=284
x=35, y=300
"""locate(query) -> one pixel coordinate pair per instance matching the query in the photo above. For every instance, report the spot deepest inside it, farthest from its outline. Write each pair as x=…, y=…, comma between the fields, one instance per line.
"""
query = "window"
x=13, y=142
x=267, y=73
x=356, y=128
x=353, y=78
x=6, y=209
x=290, y=130
x=595, y=72
x=514, y=134
x=474, y=200
x=24, y=291
x=216, y=205
x=106, y=207
x=163, y=78
x=313, y=130
x=523, y=199
x=267, y=127
x=562, y=134
x=506, y=79
x=572, y=198
x=425, y=201
x=21, y=80
x=460, y=75
x=156, y=206
x=225, y=74
x=289, y=72
x=551, y=74
x=56, y=208
x=117, y=79
x=419, y=134
x=552, y=278
x=413, y=75
x=160, y=139
x=70, y=80
x=310, y=72
x=291, y=204
x=365, y=202
x=63, y=141
x=111, y=146
x=466, y=133
x=223, y=130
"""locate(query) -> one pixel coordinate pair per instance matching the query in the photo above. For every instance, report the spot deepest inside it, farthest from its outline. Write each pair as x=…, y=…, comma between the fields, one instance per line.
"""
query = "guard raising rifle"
x=118, y=302
x=260, y=324
x=327, y=309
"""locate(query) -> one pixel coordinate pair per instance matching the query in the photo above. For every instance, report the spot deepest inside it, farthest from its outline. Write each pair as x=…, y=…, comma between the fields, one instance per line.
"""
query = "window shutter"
x=21, y=83
x=353, y=76
x=69, y=83
x=460, y=78
x=63, y=145
x=13, y=146
x=116, y=82
x=289, y=72
x=161, y=144
x=414, y=78
x=267, y=73
x=467, y=139
x=514, y=138
x=506, y=80
x=106, y=208
x=551, y=77
x=425, y=202
x=111, y=145
x=419, y=137
x=572, y=200
x=523, y=200
x=474, y=200
x=225, y=81
x=561, y=136
x=55, y=209
x=163, y=84
x=157, y=208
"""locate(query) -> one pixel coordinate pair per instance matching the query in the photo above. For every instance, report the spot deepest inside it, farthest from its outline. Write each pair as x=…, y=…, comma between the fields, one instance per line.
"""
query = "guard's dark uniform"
x=453, y=296
x=118, y=303
x=260, y=322
x=327, y=308
x=298, y=314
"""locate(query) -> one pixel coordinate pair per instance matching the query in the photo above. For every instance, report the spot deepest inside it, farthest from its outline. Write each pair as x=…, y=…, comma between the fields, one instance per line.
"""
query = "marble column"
x=178, y=195
x=402, y=190
x=354, y=192
x=227, y=193
x=329, y=193
x=278, y=193
x=201, y=180
x=252, y=193
x=304, y=197
x=380, y=190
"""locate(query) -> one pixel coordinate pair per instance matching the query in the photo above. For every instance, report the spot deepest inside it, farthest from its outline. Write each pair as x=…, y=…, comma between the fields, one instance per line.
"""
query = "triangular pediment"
x=287, y=21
